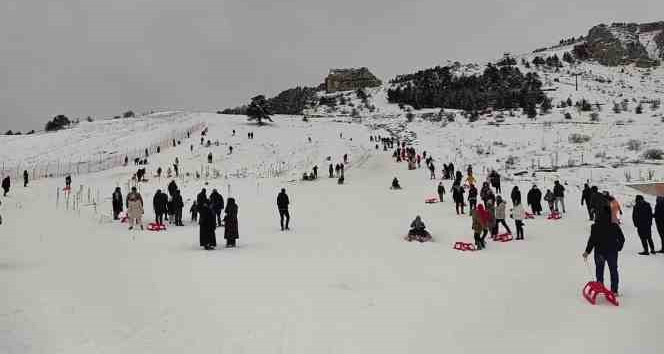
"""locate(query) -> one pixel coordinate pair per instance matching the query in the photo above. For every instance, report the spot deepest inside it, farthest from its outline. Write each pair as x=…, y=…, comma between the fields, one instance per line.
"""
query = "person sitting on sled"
x=418, y=231
x=395, y=184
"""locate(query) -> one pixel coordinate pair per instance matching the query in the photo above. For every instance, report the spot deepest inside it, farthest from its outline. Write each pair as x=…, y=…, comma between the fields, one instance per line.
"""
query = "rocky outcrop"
x=620, y=44
x=350, y=79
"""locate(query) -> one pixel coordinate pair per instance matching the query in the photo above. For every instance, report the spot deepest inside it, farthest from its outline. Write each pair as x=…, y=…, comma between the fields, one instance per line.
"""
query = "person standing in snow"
x=432, y=170
x=25, y=178
x=642, y=218
x=585, y=198
x=518, y=213
x=178, y=205
x=160, y=206
x=441, y=191
x=117, y=202
x=135, y=208
x=209, y=157
x=490, y=207
x=457, y=195
x=534, y=199
x=472, y=197
x=607, y=239
x=201, y=198
x=315, y=169
x=659, y=219
x=217, y=204
x=6, y=183
x=207, y=225
x=551, y=199
x=597, y=200
x=501, y=212
x=331, y=171
x=194, y=211
x=515, y=195
x=231, y=233
x=282, y=205
x=559, y=193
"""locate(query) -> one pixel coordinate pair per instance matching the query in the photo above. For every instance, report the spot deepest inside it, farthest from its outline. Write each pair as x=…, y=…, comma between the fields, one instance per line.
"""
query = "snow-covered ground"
x=342, y=280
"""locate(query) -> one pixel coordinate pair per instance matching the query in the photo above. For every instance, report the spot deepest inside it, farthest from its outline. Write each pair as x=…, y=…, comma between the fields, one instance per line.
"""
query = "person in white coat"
x=135, y=208
x=518, y=213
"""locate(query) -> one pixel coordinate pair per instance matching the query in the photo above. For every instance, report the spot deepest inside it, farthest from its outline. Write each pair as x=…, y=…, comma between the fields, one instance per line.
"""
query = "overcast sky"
x=101, y=58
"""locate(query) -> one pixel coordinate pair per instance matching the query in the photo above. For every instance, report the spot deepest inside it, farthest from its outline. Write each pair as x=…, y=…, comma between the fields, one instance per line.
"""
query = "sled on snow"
x=464, y=246
x=431, y=200
x=506, y=237
x=554, y=216
x=156, y=227
x=419, y=238
x=529, y=215
x=594, y=288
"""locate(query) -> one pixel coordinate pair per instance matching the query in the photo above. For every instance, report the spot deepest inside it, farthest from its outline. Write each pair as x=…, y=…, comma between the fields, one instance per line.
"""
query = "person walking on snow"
x=68, y=181
x=441, y=191
x=194, y=211
x=207, y=225
x=135, y=208
x=331, y=171
x=586, y=194
x=515, y=195
x=217, y=204
x=432, y=170
x=642, y=218
x=231, y=233
x=457, y=195
x=201, y=198
x=559, y=193
x=25, y=178
x=659, y=219
x=606, y=239
x=117, y=202
x=178, y=204
x=480, y=218
x=501, y=207
x=472, y=197
x=5, y=185
x=282, y=205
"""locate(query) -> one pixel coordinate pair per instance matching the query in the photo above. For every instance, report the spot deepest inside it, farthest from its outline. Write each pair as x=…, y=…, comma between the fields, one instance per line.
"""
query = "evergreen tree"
x=257, y=110
x=546, y=105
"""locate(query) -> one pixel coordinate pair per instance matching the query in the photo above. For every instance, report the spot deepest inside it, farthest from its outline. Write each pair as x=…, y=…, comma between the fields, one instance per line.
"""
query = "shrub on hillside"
x=594, y=117
x=128, y=114
x=576, y=138
x=616, y=108
x=9, y=132
x=639, y=109
x=568, y=115
x=653, y=154
x=634, y=145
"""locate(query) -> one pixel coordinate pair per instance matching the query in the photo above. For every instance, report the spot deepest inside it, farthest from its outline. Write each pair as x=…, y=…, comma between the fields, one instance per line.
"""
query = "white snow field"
x=342, y=280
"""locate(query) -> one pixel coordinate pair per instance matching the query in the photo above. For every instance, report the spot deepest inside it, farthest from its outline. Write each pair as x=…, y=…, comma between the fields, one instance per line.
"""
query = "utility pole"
x=576, y=81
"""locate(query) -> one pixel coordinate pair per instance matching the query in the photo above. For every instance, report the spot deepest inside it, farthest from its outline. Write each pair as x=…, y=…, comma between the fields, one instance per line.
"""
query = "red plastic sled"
x=431, y=200
x=464, y=246
x=504, y=237
x=156, y=227
x=554, y=216
x=529, y=215
x=593, y=288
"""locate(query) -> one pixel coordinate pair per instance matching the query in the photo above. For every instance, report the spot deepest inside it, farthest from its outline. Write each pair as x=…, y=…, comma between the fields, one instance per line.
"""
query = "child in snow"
x=550, y=198
x=500, y=214
x=518, y=213
x=194, y=211
x=418, y=231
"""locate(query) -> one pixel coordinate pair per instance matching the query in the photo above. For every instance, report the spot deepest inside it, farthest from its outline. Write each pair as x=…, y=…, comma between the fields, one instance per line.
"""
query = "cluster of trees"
x=569, y=41
x=10, y=132
x=551, y=61
x=291, y=101
x=498, y=87
x=59, y=122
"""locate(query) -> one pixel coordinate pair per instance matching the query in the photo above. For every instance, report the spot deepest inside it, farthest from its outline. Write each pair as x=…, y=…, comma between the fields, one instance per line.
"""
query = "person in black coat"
x=331, y=171
x=231, y=233
x=201, y=198
x=25, y=178
x=642, y=218
x=178, y=205
x=207, y=224
x=535, y=200
x=68, y=181
x=172, y=187
x=559, y=193
x=659, y=219
x=5, y=185
x=585, y=198
x=160, y=206
x=515, y=196
x=607, y=239
x=597, y=200
x=217, y=204
x=457, y=195
x=117, y=202
x=282, y=205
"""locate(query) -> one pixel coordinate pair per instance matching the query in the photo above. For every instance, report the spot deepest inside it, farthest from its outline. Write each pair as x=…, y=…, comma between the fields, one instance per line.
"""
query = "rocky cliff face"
x=350, y=79
x=624, y=43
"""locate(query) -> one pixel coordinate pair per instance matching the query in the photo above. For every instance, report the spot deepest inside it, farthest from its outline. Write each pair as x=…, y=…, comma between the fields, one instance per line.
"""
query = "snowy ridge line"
x=61, y=169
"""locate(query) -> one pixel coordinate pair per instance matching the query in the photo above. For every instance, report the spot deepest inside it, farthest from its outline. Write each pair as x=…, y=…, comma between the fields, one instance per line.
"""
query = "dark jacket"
x=472, y=193
x=586, y=196
x=441, y=189
x=605, y=237
x=217, y=202
x=598, y=201
x=534, y=196
x=6, y=183
x=515, y=195
x=457, y=193
x=642, y=216
x=558, y=190
x=207, y=223
x=172, y=187
x=201, y=199
x=659, y=209
x=230, y=220
x=117, y=200
x=160, y=203
x=282, y=201
x=178, y=203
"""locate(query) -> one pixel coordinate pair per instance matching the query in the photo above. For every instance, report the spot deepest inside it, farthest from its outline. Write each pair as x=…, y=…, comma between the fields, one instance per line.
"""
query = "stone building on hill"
x=350, y=79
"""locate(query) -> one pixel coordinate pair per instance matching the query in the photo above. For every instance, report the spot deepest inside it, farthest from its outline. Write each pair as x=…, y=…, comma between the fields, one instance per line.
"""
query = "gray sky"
x=103, y=57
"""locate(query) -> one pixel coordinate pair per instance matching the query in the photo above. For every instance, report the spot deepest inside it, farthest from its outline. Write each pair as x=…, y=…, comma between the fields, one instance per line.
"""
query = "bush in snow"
x=594, y=117
x=58, y=122
x=634, y=145
x=639, y=109
x=576, y=138
x=568, y=115
x=653, y=154
x=616, y=108
x=30, y=132
x=128, y=114
x=89, y=119
x=9, y=132
x=654, y=105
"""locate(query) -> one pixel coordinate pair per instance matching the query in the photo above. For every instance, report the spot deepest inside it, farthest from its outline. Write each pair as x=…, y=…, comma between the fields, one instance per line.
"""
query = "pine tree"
x=546, y=106
x=257, y=110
